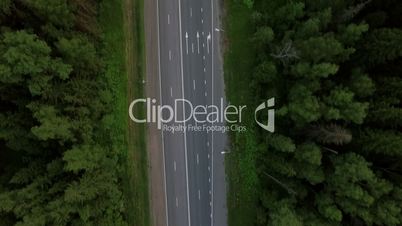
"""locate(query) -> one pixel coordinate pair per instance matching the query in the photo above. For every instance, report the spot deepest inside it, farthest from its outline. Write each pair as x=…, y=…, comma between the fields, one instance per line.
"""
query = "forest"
x=335, y=69
x=58, y=165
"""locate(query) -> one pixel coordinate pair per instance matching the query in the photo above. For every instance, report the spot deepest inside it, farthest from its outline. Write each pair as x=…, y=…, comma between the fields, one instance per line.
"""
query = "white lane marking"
x=210, y=203
x=194, y=84
x=202, y=21
x=202, y=33
x=208, y=39
x=191, y=12
x=161, y=100
x=208, y=143
x=203, y=45
x=203, y=57
x=209, y=156
x=174, y=166
x=205, y=70
x=209, y=191
x=199, y=195
x=171, y=91
x=184, y=113
x=192, y=47
x=198, y=159
x=177, y=202
x=170, y=55
x=209, y=180
x=205, y=82
x=168, y=18
x=202, y=9
x=206, y=94
x=198, y=42
x=212, y=97
x=209, y=168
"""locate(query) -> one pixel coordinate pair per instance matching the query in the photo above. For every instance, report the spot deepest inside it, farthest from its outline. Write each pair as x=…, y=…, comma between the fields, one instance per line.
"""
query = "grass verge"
x=240, y=164
x=123, y=37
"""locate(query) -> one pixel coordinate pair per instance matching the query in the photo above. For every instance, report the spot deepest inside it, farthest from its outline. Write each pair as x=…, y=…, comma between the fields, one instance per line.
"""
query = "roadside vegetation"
x=64, y=135
x=334, y=68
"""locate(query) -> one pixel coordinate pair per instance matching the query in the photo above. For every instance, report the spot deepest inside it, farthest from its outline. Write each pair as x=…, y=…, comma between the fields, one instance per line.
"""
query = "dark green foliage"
x=54, y=168
x=336, y=73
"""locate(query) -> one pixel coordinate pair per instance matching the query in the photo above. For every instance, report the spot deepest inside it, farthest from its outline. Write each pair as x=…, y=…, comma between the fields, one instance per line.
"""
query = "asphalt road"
x=190, y=68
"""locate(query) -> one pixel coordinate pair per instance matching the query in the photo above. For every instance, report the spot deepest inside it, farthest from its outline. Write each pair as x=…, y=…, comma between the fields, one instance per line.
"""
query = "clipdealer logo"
x=183, y=115
x=270, y=126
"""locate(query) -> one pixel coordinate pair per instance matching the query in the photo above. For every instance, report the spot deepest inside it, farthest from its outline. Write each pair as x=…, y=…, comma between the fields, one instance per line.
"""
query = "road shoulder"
x=154, y=136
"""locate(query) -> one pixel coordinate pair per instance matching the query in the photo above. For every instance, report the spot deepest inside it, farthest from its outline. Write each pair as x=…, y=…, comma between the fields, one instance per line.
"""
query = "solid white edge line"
x=212, y=134
x=184, y=113
x=160, y=96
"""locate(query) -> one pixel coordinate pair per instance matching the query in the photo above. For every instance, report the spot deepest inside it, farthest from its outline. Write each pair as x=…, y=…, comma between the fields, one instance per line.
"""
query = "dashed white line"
x=177, y=202
x=193, y=84
x=192, y=47
x=205, y=82
x=206, y=94
x=171, y=92
x=170, y=55
x=208, y=143
x=198, y=159
x=199, y=195
x=205, y=70
x=174, y=166
x=168, y=18
x=202, y=9
x=202, y=21
x=191, y=12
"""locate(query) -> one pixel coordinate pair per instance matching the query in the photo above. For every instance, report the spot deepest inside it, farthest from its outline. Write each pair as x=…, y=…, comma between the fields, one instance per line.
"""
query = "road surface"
x=190, y=68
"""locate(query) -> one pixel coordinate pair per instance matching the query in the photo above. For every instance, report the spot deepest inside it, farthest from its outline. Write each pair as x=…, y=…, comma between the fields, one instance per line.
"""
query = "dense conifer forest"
x=335, y=68
x=57, y=163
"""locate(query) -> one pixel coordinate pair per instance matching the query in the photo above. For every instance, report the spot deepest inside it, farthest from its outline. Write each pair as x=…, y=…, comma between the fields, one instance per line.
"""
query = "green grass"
x=124, y=74
x=240, y=164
